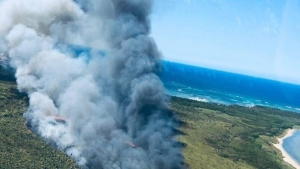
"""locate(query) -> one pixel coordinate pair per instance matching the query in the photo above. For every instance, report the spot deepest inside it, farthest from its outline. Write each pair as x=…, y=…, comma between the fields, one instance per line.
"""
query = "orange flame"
x=59, y=119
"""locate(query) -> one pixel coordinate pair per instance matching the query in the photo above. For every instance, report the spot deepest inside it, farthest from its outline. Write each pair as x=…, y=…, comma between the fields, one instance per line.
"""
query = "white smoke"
x=114, y=106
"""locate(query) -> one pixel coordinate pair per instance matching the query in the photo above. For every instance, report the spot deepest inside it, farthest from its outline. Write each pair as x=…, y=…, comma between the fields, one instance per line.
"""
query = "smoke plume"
x=105, y=109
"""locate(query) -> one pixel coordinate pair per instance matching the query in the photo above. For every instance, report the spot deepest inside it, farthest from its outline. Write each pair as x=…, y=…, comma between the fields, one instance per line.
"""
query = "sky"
x=253, y=37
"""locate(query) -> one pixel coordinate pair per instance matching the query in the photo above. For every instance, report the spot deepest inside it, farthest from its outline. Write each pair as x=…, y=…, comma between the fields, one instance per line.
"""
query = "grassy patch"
x=19, y=148
x=218, y=136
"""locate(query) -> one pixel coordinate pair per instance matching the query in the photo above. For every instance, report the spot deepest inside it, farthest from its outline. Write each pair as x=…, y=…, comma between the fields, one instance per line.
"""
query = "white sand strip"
x=286, y=156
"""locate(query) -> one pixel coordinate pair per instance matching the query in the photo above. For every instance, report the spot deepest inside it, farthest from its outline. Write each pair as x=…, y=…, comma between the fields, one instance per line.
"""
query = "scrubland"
x=220, y=137
x=213, y=136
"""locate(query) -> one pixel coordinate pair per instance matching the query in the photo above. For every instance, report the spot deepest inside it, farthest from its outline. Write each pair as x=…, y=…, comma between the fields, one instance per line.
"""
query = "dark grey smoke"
x=106, y=112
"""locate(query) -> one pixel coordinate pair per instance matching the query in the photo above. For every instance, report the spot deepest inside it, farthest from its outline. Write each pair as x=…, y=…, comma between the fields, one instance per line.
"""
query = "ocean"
x=208, y=85
x=227, y=88
x=292, y=146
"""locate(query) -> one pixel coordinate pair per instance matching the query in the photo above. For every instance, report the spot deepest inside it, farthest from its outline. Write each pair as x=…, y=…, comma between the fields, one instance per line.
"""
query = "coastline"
x=286, y=157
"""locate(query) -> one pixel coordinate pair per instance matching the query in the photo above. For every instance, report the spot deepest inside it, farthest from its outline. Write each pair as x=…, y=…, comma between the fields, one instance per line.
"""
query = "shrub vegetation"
x=218, y=136
x=19, y=148
x=214, y=136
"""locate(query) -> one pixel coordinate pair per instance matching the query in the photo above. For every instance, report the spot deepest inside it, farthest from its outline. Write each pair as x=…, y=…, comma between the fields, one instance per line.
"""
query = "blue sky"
x=253, y=37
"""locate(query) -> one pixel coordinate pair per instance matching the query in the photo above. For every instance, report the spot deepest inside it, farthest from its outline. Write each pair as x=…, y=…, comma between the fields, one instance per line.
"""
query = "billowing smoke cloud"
x=105, y=109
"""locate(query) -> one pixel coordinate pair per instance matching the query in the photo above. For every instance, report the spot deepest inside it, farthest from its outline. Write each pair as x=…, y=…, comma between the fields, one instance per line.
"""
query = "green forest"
x=213, y=136
x=19, y=147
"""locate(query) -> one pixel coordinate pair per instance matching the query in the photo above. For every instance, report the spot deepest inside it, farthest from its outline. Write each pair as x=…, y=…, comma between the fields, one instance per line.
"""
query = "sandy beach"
x=286, y=156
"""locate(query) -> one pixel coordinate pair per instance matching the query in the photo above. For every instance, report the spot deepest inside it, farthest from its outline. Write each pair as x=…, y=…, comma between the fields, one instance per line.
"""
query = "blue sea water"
x=292, y=146
x=217, y=86
x=228, y=88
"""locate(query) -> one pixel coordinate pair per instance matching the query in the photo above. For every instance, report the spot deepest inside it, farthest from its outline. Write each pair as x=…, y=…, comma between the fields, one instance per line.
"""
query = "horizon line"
x=234, y=72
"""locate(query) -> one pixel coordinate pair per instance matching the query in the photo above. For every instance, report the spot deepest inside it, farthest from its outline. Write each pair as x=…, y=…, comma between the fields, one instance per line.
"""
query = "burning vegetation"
x=102, y=108
x=59, y=119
